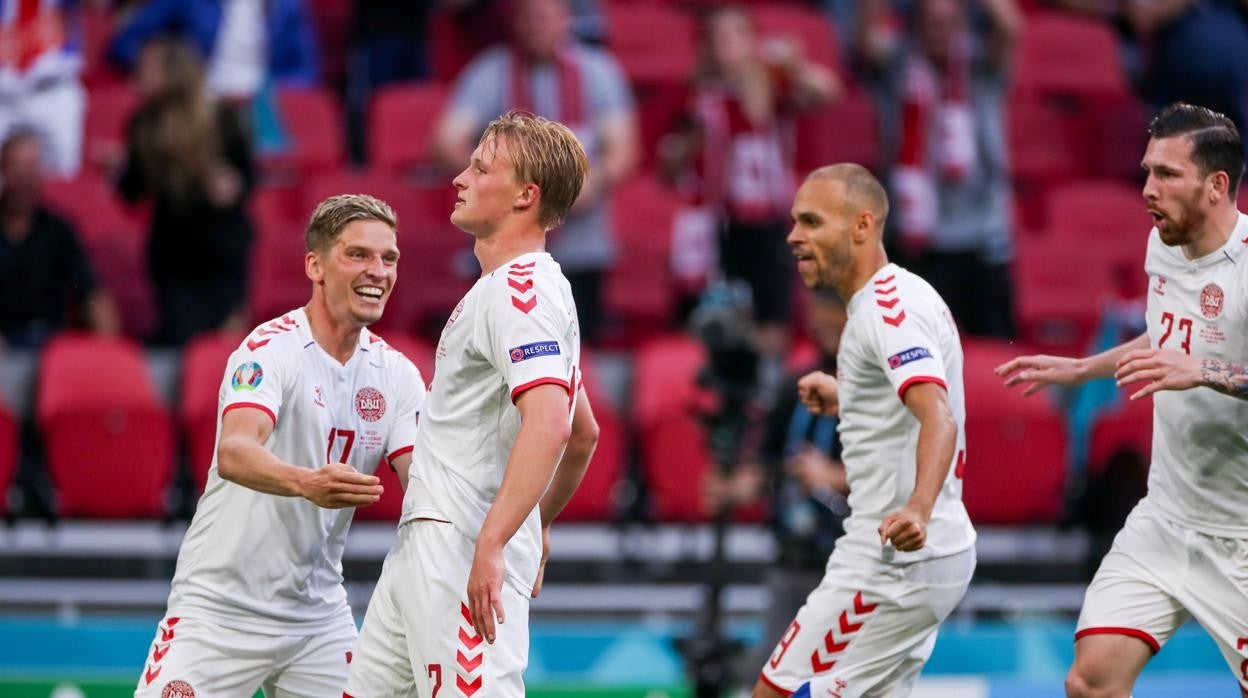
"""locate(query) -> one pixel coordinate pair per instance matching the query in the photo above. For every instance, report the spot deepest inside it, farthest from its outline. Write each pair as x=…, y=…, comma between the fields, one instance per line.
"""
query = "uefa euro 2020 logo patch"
x=902, y=358
x=529, y=351
x=247, y=377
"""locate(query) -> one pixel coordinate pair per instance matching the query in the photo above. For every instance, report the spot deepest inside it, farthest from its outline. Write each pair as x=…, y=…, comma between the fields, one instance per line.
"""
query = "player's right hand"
x=819, y=393
x=338, y=485
x=1040, y=370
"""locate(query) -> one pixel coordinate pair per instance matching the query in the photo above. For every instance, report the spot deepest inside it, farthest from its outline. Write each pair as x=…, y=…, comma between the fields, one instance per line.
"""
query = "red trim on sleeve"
x=1129, y=632
x=773, y=686
x=406, y=449
x=253, y=405
x=515, y=394
x=901, y=392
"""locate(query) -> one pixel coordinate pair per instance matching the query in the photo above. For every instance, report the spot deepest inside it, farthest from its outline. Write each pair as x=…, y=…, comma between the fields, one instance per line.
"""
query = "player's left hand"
x=541, y=567
x=1164, y=369
x=485, y=590
x=906, y=528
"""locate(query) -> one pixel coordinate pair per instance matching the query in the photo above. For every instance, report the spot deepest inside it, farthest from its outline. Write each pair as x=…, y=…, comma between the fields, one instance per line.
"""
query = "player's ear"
x=1219, y=184
x=864, y=226
x=312, y=267
x=528, y=197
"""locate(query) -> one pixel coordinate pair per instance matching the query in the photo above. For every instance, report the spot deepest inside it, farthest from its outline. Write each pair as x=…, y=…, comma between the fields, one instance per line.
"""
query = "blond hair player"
x=310, y=402
x=505, y=438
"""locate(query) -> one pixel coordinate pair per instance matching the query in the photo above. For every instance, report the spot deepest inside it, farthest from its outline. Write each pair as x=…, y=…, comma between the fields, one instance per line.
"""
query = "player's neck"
x=1217, y=230
x=502, y=246
x=338, y=339
x=860, y=274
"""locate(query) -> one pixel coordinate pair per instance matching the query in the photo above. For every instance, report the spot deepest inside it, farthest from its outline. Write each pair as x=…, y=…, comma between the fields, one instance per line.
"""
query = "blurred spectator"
x=737, y=137
x=798, y=465
x=941, y=88
x=244, y=42
x=389, y=43
x=1194, y=51
x=543, y=70
x=40, y=63
x=189, y=155
x=45, y=277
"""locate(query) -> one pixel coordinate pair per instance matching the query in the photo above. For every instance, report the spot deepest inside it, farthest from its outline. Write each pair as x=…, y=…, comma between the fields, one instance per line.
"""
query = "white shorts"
x=192, y=658
x=417, y=638
x=868, y=630
x=1158, y=574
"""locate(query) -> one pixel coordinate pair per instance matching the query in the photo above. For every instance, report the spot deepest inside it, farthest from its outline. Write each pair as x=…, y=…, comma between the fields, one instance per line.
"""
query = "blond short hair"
x=333, y=214
x=545, y=153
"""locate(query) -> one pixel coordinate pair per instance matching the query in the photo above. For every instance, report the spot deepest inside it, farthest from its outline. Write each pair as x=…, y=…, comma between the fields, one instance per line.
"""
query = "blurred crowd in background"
x=160, y=157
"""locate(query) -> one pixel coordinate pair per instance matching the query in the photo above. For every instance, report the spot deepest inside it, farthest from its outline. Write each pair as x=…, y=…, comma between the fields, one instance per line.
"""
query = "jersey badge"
x=1211, y=298
x=318, y=396
x=902, y=358
x=1160, y=288
x=247, y=377
x=370, y=404
x=529, y=351
x=177, y=689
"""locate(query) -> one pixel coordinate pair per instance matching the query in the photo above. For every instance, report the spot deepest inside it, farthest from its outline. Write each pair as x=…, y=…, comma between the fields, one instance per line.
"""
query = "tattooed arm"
x=1171, y=370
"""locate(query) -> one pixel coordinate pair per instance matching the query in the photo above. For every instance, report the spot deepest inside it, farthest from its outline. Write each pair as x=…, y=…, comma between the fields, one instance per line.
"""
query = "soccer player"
x=1183, y=551
x=908, y=551
x=309, y=405
x=505, y=438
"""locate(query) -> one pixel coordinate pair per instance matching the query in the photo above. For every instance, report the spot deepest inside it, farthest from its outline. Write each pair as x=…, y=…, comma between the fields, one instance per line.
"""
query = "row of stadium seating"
x=111, y=445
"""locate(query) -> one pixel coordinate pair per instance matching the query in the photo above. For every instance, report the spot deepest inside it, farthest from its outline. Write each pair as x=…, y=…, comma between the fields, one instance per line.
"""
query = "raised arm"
x=938, y=438
x=1043, y=370
x=243, y=460
x=544, y=432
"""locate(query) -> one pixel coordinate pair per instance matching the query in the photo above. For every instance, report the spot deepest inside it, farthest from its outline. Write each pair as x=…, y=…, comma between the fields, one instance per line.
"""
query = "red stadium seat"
x=400, y=126
x=1105, y=211
x=109, y=442
x=437, y=267
x=848, y=131
x=674, y=456
x=8, y=454
x=1016, y=447
x=278, y=280
x=1062, y=54
x=594, y=499
x=1059, y=289
x=313, y=122
x=109, y=108
x=1127, y=427
x=1040, y=148
x=203, y=368
x=803, y=23
x=639, y=288
x=653, y=41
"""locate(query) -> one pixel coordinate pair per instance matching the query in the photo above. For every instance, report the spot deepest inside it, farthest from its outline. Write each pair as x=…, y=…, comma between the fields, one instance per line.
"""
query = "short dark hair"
x=1216, y=146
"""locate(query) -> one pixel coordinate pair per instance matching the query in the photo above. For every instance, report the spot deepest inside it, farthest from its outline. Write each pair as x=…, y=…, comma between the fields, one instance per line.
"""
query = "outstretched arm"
x=1043, y=370
x=243, y=460
x=1171, y=370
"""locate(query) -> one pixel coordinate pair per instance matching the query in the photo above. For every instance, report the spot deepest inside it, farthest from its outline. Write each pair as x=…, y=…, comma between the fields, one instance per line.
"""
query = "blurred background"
x=161, y=157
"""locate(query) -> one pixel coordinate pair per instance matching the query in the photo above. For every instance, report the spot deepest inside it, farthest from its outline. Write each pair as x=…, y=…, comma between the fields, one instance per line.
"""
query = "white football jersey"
x=515, y=329
x=273, y=564
x=899, y=333
x=1199, y=472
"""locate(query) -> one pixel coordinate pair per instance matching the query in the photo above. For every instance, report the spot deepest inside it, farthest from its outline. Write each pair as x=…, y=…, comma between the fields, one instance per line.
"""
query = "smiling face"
x=357, y=271
x=487, y=189
x=1176, y=190
x=822, y=231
